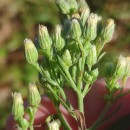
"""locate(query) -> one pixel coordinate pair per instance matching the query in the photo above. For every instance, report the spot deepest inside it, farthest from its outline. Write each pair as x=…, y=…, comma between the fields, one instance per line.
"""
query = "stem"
x=32, y=118
x=100, y=118
x=86, y=89
x=80, y=80
x=63, y=120
x=80, y=75
x=80, y=102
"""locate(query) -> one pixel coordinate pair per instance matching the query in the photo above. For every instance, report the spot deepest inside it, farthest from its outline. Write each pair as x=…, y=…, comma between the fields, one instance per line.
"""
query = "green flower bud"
x=92, y=57
x=73, y=5
x=63, y=6
x=120, y=67
x=91, y=31
x=34, y=95
x=44, y=40
x=18, y=108
x=54, y=125
x=94, y=73
x=84, y=15
x=82, y=4
x=59, y=42
x=113, y=85
x=108, y=30
x=75, y=29
x=67, y=58
x=87, y=77
x=31, y=53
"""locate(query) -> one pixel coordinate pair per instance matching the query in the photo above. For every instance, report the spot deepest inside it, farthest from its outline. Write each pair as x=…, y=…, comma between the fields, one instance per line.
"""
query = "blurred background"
x=19, y=19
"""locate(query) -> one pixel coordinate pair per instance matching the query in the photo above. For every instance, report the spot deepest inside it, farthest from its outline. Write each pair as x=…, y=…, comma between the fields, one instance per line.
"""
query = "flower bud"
x=31, y=53
x=18, y=108
x=91, y=31
x=34, y=95
x=108, y=30
x=73, y=5
x=92, y=57
x=120, y=67
x=75, y=29
x=84, y=15
x=63, y=6
x=44, y=40
x=54, y=125
x=113, y=85
x=94, y=73
x=67, y=58
x=88, y=78
x=59, y=42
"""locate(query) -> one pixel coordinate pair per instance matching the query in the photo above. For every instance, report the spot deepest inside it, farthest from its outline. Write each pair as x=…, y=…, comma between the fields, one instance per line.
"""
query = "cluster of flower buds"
x=118, y=70
x=72, y=52
x=122, y=67
x=18, y=106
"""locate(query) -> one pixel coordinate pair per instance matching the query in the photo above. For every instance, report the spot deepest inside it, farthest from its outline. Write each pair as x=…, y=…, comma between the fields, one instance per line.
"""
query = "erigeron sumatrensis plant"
x=69, y=59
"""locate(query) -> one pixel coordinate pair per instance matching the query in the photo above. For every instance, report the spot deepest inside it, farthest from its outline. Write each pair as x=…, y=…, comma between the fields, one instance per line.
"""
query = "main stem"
x=80, y=102
x=80, y=80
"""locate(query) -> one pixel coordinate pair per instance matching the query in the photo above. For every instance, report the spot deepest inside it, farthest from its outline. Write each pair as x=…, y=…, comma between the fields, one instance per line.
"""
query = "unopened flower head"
x=92, y=57
x=63, y=6
x=91, y=31
x=34, y=95
x=45, y=41
x=108, y=30
x=120, y=67
x=17, y=109
x=75, y=29
x=57, y=38
x=31, y=53
x=44, y=37
x=17, y=98
x=73, y=5
x=84, y=15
